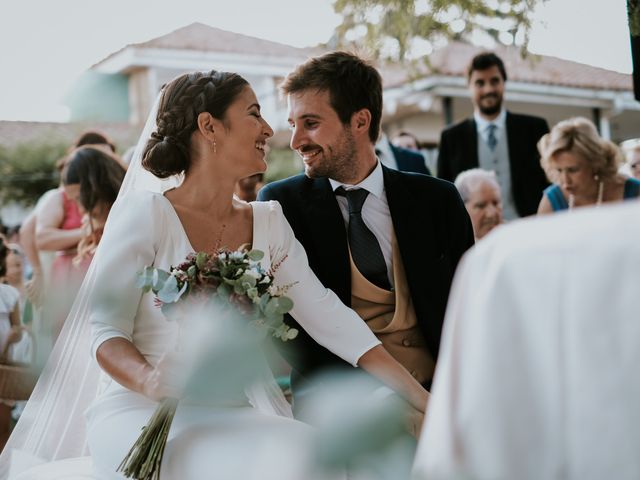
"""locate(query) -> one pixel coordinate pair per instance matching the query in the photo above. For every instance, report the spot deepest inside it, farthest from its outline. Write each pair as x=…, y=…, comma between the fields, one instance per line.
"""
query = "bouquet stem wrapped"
x=145, y=457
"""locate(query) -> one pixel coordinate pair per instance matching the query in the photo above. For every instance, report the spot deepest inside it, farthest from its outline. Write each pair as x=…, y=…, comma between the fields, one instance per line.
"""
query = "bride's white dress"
x=204, y=442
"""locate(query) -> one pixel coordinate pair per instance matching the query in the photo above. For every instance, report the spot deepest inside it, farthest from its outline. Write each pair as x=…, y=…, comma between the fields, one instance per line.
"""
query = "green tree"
x=283, y=162
x=633, y=11
x=408, y=29
x=28, y=170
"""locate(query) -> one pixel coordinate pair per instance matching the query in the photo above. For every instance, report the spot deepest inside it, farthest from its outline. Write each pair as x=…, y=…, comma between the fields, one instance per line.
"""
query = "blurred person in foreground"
x=631, y=149
x=583, y=167
x=540, y=352
x=496, y=139
x=480, y=193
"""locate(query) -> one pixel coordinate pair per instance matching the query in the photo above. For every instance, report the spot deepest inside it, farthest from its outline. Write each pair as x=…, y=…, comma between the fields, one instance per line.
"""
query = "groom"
x=386, y=242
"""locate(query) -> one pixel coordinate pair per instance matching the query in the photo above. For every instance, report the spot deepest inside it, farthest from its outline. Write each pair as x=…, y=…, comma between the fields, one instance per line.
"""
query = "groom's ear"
x=361, y=121
x=206, y=124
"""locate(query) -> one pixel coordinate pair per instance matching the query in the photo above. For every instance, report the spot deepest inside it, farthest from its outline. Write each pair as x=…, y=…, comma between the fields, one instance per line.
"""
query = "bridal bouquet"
x=227, y=280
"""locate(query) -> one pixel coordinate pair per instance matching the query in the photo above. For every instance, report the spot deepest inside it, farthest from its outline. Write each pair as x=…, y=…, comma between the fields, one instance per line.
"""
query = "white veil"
x=52, y=425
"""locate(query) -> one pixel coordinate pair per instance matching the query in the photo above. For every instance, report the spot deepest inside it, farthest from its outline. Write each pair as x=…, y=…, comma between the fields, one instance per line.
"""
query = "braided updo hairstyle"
x=183, y=99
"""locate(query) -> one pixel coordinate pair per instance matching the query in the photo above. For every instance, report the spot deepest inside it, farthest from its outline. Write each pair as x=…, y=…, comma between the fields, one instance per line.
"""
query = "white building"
x=549, y=87
x=151, y=64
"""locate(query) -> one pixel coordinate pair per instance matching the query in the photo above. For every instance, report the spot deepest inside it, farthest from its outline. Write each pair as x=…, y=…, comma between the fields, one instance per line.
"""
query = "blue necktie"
x=365, y=249
x=492, y=141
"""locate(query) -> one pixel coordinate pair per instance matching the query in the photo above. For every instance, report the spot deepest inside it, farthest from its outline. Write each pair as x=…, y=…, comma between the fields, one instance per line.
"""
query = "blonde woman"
x=631, y=149
x=583, y=168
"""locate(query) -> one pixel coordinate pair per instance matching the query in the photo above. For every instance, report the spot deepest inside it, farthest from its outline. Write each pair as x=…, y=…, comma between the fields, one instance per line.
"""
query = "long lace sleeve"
x=317, y=309
x=129, y=243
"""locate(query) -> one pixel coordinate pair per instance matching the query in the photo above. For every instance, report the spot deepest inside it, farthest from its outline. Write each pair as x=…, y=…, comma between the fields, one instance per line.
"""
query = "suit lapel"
x=329, y=255
x=514, y=142
x=405, y=216
x=472, y=145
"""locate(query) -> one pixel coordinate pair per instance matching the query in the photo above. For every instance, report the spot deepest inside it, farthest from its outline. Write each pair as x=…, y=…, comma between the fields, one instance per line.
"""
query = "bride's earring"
x=215, y=150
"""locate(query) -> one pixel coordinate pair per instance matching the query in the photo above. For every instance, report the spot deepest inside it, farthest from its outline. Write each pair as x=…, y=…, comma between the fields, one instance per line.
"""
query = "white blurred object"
x=537, y=374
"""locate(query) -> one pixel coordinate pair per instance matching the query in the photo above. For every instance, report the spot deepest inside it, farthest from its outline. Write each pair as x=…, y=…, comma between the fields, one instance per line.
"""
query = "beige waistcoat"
x=391, y=316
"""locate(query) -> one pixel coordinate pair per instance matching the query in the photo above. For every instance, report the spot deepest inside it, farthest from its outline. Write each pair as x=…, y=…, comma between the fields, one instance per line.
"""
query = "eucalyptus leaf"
x=201, y=259
x=248, y=279
x=255, y=255
x=264, y=299
x=285, y=304
x=271, y=307
x=159, y=277
x=169, y=292
x=252, y=293
x=144, y=279
x=191, y=271
x=184, y=288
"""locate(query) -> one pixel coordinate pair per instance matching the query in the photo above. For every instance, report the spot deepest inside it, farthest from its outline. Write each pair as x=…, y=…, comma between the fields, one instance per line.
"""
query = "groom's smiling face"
x=326, y=145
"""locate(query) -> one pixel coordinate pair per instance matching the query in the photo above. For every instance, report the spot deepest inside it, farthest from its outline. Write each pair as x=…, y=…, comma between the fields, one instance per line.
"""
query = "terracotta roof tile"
x=203, y=38
x=452, y=60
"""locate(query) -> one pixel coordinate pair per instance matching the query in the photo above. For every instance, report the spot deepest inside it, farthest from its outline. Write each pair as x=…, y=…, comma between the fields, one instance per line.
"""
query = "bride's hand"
x=163, y=380
x=378, y=362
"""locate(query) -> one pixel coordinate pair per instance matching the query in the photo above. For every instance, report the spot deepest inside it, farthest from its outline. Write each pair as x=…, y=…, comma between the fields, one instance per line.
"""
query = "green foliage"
x=407, y=29
x=633, y=11
x=283, y=163
x=28, y=170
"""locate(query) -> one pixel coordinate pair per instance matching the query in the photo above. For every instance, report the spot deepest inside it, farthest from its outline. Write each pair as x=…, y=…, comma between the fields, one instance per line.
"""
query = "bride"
x=208, y=128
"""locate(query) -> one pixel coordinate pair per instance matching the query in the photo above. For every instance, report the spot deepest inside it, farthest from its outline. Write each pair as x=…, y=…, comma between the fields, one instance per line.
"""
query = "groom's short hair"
x=352, y=83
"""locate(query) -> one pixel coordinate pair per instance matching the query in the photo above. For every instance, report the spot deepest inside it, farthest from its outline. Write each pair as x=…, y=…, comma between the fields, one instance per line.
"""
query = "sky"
x=45, y=45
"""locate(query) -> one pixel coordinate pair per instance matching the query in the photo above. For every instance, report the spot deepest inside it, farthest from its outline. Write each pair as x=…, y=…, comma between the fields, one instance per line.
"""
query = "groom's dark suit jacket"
x=458, y=151
x=432, y=228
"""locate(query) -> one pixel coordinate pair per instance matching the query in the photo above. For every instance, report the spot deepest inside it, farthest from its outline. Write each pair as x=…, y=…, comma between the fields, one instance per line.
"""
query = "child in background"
x=10, y=332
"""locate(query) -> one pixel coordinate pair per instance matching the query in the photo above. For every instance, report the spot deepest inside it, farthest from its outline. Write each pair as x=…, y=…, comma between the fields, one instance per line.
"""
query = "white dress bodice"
x=203, y=438
x=150, y=233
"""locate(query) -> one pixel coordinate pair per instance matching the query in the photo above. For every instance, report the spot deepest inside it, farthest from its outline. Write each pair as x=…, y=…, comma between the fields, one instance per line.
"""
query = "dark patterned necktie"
x=492, y=141
x=365, y=249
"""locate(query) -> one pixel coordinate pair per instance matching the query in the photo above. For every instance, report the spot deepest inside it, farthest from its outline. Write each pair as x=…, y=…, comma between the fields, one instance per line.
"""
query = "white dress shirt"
x=375, y=212
x=482, y=125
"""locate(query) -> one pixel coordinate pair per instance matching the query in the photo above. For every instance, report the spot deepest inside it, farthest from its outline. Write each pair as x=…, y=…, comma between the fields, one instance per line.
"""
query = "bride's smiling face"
x=242, y=141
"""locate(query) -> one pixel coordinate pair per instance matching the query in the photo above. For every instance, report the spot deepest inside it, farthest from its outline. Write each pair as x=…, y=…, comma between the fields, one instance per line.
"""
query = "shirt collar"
x=374, y=183
x=483, y=123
